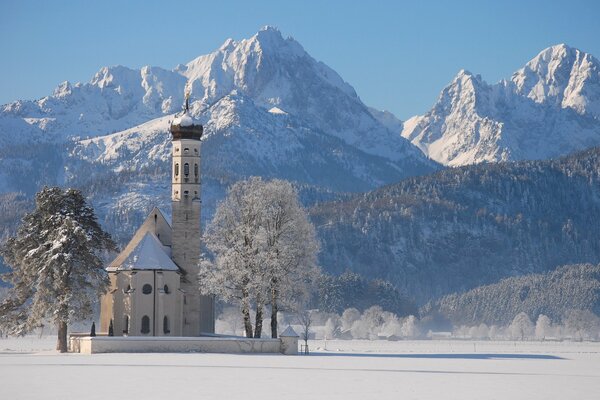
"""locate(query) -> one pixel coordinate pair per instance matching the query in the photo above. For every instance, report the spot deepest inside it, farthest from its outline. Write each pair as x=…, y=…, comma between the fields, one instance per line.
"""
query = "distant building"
x=154, y=289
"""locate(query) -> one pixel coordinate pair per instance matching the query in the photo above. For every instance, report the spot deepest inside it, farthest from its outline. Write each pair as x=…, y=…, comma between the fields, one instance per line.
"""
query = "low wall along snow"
x=120, y=344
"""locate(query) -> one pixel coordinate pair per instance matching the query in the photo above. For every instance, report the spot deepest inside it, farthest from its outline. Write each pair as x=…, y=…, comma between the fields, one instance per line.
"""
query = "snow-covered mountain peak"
x=548, y=108
x=114, y=76
x=564, y=76
x=63, y=90
x=268, y=67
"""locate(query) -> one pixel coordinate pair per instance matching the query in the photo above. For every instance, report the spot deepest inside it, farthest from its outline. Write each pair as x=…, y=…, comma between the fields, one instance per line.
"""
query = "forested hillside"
x=554, y=294
x=465, y=227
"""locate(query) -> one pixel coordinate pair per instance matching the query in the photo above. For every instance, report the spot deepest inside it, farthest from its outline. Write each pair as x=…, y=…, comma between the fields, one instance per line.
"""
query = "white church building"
x=154, y=289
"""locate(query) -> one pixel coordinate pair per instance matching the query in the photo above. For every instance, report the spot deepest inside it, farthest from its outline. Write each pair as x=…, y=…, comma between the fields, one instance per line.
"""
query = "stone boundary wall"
x=233, y=345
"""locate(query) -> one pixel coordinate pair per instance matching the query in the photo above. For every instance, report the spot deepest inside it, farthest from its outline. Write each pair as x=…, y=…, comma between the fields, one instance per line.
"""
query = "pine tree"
x=56, y=269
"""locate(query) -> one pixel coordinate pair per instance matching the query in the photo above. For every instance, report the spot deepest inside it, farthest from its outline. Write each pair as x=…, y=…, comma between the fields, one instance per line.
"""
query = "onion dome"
x=184, y=126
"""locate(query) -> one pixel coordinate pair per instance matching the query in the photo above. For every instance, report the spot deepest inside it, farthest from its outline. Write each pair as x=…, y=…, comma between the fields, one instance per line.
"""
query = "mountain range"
x=548, y=108
x=270, y=109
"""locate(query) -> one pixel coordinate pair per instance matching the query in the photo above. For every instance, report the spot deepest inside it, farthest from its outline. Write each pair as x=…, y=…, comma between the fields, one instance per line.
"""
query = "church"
x=154, y=288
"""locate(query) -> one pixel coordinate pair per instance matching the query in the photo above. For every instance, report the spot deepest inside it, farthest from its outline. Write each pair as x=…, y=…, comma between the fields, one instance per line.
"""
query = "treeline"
x=334, y=294
x=554, y=294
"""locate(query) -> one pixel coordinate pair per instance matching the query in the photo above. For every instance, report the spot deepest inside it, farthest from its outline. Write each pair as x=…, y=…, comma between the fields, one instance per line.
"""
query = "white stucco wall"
x=105, y=344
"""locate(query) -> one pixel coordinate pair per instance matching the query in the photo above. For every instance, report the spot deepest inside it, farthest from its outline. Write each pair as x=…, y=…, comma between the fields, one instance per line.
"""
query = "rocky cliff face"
x=550, y=107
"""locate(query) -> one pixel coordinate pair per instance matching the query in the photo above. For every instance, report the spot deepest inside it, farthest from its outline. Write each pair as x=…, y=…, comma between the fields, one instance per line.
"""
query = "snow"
x=548, y=108
x=276, y=110
x=183, y=120
x=29, y=369
x=149, y=254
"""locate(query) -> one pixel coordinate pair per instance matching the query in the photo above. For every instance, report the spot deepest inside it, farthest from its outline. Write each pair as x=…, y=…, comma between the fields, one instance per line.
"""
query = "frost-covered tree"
x=291, y=247
x=582, y=324
x=235, y=239
x=56, y=270
x=521, y=327
x=391, y=325
x=264, y=250
x=332, y=327
x=410, y=328
x=305, y=320
x=543, y=327
x=349, y=316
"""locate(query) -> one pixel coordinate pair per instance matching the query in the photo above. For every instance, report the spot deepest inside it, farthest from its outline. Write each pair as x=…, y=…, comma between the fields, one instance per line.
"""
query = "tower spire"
x=187, y=99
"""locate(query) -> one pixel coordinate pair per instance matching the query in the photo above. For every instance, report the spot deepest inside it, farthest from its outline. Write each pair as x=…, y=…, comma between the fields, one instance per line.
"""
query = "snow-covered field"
x=29, y=369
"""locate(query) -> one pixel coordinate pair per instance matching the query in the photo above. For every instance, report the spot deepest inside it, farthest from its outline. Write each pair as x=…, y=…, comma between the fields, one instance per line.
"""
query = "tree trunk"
x=259, y=317
x=246, y=314
x=274, y=311
x=61, y=344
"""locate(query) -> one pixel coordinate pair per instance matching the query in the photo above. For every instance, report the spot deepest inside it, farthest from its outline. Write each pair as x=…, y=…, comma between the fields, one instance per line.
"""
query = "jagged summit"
x=548, y=108
x=563, y=75
x=267, y=107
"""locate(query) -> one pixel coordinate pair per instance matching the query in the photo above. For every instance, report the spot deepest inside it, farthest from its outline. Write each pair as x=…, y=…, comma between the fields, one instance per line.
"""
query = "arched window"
x=186, y=150
x=147, y=289
x=196, y=169
x=186, y=169
x=145, y=324
x=166, y=289
x=177, y=169
x=126, y=324
x=166, y=329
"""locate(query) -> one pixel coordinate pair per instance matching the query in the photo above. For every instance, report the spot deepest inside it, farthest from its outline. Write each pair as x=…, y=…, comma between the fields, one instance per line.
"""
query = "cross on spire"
x=187, y=100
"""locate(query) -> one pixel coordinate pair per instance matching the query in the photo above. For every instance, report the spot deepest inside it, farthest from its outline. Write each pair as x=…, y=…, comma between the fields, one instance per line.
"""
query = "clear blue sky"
x=398, y=55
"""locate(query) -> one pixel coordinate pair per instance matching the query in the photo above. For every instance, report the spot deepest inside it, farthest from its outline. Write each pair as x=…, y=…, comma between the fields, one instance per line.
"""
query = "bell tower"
x=198, y=311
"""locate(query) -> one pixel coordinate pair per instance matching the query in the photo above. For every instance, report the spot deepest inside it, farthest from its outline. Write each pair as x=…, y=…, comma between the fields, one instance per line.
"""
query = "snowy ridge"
x=268, y=108
x=549, y=108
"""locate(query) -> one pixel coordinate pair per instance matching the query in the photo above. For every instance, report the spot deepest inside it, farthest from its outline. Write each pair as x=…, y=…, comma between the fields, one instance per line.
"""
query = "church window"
x=177, y=169
x=126, y=324
x=166, y=289
x=186, y=169
x=145, y=324
x=166, y=329
x=196, y=169
x=147, y=289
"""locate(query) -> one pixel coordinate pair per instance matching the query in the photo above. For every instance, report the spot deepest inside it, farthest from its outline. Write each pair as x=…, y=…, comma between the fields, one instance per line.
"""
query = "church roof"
x=148, y=254
x=288, y=332
x=157, y=224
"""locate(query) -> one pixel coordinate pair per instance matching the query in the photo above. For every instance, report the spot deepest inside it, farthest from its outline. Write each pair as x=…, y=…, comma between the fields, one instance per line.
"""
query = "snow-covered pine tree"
x=56, y=271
